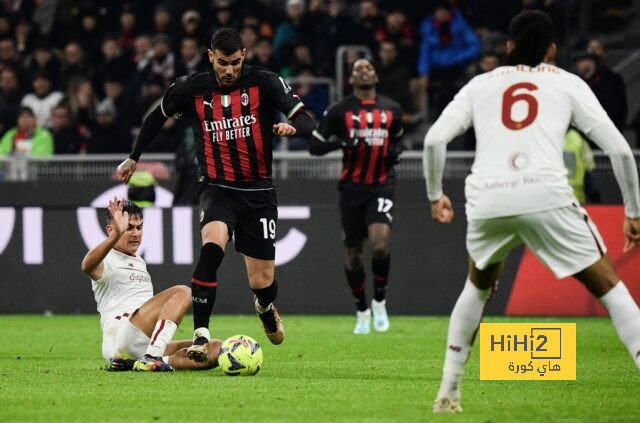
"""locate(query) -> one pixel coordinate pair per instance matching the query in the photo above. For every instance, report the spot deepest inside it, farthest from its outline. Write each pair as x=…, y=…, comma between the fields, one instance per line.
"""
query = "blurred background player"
x=231, y=111
x=137, y=326
x=578, y=159
x=367, y=127
x=518, y=190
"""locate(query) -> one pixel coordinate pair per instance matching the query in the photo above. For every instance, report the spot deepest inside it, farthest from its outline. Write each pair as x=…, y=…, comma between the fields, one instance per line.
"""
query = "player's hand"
x=125, y=170
x=120, y=217
x=631, y=229
x=441, y=210
x=284, y=130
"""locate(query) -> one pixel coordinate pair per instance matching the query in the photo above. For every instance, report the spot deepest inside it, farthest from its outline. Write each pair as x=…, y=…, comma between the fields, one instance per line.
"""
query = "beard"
x=365, y=86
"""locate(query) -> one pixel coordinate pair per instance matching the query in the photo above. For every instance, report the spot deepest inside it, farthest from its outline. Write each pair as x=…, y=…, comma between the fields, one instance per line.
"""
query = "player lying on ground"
x=368, y=128
x=137, y=326
x=518, y=191
x=231, y=109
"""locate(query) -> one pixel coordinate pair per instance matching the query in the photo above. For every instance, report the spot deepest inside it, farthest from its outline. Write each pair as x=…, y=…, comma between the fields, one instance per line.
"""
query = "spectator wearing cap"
x=27, y=138
x=606, y=85
x=163, y=60
x=191, y=58
x=42, y=99
x=448, y=44
x=10, y=97
x=106, y=135
x=191, y=26
x=67, y=137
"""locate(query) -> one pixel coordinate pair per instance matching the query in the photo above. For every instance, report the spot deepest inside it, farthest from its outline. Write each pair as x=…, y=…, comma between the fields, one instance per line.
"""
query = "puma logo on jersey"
x=356, y=118
x=208, y=103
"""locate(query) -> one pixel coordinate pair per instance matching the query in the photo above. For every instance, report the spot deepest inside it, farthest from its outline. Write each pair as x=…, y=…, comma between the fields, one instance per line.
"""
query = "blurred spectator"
x=264, y=28
x=578, y=159
x=249, y=36
x=25, y=36
x=6, y=30
x=114, y=65
x=125, y=105
x=82, y=102
x=44, y=61
x=448, y=44
x=128, y=30
x=223, y=15
x=44, y=16
x=10, y=97
x=9, y=56
x=143, y=52
x=107, y=136
x=192, y=27
x=191, y=58
x=330, y=28
x=67, y=137
x=314, y=96
x=172, y=132
x=302, y=59
x=368, y=21
x=27, y=138
x=73, y=65
x=394, y=78
x=42, y=100
x=291, y=31
x=89, y=37
x=606, y=85
x=162, y=20
x=163, y=60
x=398, y=30
x=263, y=55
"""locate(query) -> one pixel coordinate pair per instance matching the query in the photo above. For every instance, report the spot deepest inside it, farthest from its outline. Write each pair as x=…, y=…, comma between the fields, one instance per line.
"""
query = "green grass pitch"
x=50, y=370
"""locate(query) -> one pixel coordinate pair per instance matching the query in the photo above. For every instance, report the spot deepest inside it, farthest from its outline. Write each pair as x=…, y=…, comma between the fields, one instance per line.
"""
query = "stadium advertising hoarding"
x=45, y=230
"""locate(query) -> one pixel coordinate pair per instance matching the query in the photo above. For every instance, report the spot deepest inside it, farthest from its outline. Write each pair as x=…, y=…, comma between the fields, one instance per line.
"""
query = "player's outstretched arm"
x=92, y=264
x=150, y=128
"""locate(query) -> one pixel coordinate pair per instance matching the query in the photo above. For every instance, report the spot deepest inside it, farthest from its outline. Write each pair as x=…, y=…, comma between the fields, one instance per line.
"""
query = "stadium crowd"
x=78, y=76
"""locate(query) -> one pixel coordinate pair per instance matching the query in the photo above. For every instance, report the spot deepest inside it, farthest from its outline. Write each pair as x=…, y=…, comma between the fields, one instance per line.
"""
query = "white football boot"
x=363, y=322
x=446, y=405
x=380, y=317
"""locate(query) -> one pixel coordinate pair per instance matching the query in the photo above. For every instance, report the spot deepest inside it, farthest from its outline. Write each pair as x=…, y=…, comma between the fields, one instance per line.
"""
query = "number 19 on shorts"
x=268, y=228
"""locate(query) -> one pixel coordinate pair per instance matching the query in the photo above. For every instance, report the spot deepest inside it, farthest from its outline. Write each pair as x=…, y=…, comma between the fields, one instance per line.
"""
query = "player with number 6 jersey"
x=518, y=191
x=367, y=127
x=232, y=111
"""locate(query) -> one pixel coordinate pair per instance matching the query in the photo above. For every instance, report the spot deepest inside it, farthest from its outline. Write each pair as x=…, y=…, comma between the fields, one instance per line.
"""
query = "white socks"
x=463, y=325
x=625, y=316
x=161, y=337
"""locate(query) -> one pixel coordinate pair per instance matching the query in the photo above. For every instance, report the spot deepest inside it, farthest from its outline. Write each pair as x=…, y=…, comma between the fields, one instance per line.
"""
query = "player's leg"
x=488, y=242
x=568, y=242
x=352, y=217
x=379, y=217
x=158, y=319
x=602, y=281
x=255, y=237
x=179, y=360
x=204, y=282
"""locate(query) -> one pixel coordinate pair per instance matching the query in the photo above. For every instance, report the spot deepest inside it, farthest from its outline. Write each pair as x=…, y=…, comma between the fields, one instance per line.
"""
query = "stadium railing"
x=286, y=165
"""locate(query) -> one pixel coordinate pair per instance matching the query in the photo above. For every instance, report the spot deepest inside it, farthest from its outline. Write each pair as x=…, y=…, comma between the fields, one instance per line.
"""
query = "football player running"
x=518, y=191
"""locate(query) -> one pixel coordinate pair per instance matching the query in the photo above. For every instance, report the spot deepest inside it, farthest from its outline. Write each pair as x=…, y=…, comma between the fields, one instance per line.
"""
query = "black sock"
x=380, y=269
x=267, y=295
x=204, y=284
x=356, y=283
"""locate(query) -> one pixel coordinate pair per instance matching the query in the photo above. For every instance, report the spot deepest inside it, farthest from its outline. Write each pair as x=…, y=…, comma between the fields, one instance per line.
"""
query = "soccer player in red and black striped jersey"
x=231, y=110
x=367, y=127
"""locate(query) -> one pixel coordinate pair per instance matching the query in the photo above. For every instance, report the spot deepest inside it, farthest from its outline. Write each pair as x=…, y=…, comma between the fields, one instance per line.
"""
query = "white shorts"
x=564, y=239
x=122, y=339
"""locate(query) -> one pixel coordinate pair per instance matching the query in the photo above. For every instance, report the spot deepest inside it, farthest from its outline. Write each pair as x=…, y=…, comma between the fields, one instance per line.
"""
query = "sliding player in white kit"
x=137, y=326
x=518, y=191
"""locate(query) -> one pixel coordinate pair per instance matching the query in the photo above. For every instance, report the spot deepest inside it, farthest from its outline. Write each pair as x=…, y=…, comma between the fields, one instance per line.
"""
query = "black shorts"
x=251, y=217
x=359, y=209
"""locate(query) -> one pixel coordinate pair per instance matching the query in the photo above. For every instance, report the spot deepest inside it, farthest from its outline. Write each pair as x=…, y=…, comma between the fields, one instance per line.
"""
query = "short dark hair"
x=371, y=62
x=129, y=207
x=226, y=40
x=531, y=32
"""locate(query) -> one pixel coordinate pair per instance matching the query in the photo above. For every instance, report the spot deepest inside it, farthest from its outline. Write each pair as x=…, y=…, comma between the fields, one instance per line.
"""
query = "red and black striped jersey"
x=370, y=133
x=233, y=125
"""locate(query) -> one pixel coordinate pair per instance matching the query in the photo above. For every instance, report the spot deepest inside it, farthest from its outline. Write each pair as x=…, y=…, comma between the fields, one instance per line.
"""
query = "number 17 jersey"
x=520, y=116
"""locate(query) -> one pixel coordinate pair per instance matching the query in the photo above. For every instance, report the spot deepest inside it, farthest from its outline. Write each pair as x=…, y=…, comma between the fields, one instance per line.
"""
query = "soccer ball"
x=240, y=355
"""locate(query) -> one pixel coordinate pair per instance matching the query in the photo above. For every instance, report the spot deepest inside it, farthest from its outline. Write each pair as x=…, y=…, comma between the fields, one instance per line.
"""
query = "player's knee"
x=379, y=250
x=261, y=278
x=352, y=259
